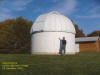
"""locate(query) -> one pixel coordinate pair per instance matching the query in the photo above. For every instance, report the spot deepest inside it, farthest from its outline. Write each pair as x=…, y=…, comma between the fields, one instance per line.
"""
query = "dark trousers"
x=62, y=50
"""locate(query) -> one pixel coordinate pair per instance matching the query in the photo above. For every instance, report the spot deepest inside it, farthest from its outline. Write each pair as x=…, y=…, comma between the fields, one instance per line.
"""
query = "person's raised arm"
x=59, y=38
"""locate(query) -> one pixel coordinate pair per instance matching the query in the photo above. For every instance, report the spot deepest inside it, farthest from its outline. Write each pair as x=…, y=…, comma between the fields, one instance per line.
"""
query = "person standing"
x=62, y=46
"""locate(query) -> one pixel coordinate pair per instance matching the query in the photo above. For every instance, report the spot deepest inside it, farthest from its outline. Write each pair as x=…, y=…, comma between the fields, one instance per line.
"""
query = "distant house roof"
x=87, y=39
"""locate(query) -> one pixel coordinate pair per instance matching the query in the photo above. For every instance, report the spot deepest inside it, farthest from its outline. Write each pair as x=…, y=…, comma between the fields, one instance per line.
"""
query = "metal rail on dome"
x=49, y=31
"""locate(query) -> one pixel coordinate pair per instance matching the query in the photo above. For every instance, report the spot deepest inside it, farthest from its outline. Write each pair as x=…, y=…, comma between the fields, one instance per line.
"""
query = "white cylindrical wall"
x=49, y=43
x=77, y=47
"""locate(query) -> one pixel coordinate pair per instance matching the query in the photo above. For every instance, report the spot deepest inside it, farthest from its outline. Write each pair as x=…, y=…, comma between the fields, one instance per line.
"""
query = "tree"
x=94, y=33
x=7, y=35
x=22, y=31
x=14, y=33
x=79, y=32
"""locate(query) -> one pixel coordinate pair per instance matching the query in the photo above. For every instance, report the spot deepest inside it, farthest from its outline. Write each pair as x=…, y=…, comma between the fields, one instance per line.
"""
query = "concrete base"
x=46, y=53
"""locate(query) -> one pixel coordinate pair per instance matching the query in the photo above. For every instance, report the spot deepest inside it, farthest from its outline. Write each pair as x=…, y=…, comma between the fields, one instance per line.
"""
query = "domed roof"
x=53, y=21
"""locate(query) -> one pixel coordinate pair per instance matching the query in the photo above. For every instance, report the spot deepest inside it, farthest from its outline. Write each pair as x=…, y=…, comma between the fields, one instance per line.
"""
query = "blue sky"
x=85, y=13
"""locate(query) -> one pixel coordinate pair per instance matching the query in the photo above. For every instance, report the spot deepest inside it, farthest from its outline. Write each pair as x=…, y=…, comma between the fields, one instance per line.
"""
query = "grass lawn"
x=79, y=64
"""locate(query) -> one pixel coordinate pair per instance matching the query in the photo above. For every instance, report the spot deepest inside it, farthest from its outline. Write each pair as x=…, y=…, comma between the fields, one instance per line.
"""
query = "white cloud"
x=95, y=10
x=92, y=13
x=90, y=16
x=55, y=0
x=65, y=7
x=4, y=16
x=20, y=4
x=6, y=11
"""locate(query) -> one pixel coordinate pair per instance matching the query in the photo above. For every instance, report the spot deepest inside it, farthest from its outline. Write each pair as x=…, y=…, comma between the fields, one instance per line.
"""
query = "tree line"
x=15, y=35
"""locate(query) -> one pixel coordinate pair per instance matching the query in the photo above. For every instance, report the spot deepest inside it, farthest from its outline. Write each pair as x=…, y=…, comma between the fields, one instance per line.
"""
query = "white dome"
x=54, y=22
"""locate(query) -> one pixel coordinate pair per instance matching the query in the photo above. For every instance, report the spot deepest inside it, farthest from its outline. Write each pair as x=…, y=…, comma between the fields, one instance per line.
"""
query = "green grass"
x=79, y=64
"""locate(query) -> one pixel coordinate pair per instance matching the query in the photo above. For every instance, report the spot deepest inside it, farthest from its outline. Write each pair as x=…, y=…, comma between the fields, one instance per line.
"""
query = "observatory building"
x=46, y=31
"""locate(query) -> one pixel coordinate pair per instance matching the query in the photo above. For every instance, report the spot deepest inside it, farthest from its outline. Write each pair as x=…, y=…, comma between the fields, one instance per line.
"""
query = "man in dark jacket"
x=62, y=45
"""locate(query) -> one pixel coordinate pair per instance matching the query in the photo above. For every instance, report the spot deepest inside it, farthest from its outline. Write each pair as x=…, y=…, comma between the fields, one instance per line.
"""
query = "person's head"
x=63, y=38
